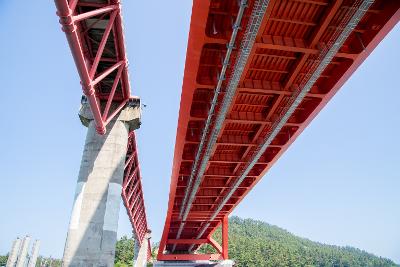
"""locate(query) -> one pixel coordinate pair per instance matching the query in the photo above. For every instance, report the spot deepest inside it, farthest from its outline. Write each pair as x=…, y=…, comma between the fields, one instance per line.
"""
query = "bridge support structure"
x=142, y=251
x=221, y=258
x=92, y=232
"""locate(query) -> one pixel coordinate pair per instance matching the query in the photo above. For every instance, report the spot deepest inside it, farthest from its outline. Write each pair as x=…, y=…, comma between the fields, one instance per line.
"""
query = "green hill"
x=256, y=243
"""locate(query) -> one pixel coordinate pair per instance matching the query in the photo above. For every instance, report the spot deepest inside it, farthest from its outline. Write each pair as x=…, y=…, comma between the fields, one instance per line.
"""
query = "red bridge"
x=257, y=72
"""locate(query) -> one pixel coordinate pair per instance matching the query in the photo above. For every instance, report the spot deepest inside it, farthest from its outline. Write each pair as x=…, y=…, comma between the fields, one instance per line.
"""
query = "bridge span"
x=257, y=72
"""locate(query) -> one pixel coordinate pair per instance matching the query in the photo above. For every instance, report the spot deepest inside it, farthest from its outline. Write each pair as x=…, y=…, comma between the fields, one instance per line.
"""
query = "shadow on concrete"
x=93, y=241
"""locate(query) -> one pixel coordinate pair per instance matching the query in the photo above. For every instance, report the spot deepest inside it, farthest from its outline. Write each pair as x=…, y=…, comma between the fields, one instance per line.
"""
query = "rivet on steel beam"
x=101, y=130
x=88, y=90
x=68, y=25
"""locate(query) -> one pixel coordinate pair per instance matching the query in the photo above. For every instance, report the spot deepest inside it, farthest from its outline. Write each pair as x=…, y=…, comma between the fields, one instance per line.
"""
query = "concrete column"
x=13, y=255
x=136, y=250
x=23, y=252
x=34, y=254
x=141, y=252
x=92, y=233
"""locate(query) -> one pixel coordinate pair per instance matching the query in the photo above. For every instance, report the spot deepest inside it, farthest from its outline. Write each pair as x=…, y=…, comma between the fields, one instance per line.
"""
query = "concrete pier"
x=34, y=254
x=23, y=252
x=136, y=249
x=13, y=255
x=141, y=252
x=92, y=233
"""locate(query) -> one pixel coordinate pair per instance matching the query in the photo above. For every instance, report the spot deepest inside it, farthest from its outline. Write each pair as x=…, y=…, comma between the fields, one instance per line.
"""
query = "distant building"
x=18, y=256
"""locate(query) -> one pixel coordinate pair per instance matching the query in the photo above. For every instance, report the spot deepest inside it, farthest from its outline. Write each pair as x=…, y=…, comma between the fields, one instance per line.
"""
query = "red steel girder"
x=283, y=52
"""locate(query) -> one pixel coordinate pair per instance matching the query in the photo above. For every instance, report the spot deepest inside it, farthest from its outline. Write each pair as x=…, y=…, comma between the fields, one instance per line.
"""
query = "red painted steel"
x=286, y=47
x=95, y=35
x=132, y=191
x=225, y=238
x=189, y=257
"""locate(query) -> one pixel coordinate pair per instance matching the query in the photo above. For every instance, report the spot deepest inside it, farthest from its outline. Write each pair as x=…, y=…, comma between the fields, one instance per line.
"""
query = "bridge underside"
x=248, y=93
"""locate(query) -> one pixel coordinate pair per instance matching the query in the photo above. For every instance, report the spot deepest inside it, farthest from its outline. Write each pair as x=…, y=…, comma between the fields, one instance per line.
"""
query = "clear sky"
x=339, y=183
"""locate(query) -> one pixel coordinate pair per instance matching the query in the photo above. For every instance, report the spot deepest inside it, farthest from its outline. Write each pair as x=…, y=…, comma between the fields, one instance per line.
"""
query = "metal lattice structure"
x=247, y=95
x=94, y=31
x=95, y=35
x=132, y=191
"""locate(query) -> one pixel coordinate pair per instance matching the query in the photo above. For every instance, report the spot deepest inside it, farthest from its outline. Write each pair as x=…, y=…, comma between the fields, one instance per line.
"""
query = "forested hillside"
x=259, y=244
x=256, y=243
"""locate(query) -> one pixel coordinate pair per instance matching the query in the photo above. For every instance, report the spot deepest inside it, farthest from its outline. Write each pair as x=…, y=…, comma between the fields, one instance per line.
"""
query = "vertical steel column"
x=225, y=237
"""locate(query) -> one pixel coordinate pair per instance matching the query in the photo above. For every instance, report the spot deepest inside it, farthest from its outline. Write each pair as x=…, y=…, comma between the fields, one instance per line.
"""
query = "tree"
x=3, y=260
x=256, y=243
x=124, y=252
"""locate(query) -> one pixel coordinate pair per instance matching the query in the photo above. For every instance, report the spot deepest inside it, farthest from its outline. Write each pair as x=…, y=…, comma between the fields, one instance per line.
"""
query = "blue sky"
x=338, y=183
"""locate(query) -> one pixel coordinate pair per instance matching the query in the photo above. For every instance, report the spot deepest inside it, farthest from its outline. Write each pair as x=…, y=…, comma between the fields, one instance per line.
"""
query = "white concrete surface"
x=92, y=233
x=13, y=255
